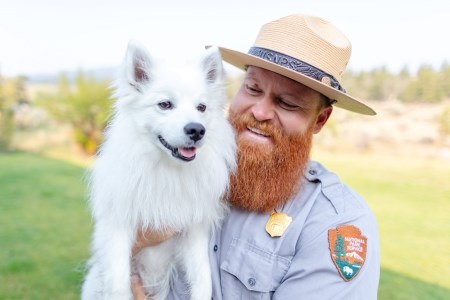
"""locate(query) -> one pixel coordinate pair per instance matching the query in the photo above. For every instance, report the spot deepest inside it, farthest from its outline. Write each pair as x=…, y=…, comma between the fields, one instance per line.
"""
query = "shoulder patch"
x=348, y=249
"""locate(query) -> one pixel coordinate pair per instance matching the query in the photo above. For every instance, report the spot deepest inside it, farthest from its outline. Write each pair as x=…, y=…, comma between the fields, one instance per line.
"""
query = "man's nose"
x=264, y=109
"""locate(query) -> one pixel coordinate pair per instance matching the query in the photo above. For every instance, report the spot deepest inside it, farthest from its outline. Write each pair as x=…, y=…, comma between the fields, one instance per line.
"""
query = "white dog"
x=164, y=165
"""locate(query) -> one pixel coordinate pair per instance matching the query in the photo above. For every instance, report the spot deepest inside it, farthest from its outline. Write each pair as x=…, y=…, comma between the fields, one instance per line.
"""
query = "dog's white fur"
x=137, y=183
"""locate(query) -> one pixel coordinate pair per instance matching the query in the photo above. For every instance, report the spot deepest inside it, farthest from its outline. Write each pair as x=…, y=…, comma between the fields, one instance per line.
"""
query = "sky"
x=43, y=37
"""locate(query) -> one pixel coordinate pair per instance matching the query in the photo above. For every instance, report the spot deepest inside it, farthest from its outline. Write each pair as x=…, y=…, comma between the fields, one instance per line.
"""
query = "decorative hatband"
x=296, y=65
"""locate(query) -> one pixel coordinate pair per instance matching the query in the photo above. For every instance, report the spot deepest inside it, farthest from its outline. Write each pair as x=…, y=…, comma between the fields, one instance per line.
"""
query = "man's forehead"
x=260, y=74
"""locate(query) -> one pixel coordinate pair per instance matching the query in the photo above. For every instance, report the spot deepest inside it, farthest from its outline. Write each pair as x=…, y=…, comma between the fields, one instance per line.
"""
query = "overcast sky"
x=52, y=36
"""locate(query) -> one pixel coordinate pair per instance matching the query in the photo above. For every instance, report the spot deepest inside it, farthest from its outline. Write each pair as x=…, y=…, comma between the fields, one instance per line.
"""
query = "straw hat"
x=307, y=49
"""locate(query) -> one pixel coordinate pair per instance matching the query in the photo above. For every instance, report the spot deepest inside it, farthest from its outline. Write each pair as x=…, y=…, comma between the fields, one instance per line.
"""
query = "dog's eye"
x=201, y=107
x=164, y=105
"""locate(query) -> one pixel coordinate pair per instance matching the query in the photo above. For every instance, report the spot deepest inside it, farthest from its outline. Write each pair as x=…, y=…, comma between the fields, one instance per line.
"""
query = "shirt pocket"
x=251, y=272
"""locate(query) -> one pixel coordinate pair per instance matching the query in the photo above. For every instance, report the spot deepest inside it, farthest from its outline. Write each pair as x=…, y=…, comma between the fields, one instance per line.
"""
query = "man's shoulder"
x=336, y=207
x=342, y=197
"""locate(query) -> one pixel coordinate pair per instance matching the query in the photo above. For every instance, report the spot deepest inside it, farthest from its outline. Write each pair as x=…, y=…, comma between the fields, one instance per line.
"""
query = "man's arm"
x=332, y=267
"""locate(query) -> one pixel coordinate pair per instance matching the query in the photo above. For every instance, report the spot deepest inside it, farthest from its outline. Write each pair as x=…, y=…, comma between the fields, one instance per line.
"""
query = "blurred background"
x=57, y=60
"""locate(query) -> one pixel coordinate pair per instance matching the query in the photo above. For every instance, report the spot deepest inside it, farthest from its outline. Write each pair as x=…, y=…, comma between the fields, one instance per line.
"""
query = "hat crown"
x=310, y=39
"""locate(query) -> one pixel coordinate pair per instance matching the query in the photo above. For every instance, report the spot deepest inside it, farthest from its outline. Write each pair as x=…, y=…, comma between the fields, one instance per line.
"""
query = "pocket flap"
x=257, y=268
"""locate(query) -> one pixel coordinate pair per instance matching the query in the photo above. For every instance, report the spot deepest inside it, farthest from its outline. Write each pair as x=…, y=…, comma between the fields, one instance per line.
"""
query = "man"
x=294, y=230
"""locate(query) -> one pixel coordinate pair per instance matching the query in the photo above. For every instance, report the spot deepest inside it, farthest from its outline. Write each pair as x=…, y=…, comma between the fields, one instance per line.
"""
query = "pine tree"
x=339, y=247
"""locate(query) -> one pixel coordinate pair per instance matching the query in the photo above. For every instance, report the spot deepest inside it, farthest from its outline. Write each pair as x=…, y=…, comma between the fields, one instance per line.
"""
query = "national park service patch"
x=348, y=249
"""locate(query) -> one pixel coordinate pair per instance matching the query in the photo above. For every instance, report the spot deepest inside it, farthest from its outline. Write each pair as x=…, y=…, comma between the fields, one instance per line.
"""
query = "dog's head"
x=171, y=104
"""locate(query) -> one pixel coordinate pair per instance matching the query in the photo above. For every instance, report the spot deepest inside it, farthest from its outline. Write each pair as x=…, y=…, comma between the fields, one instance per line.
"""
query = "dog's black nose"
x=195, y=131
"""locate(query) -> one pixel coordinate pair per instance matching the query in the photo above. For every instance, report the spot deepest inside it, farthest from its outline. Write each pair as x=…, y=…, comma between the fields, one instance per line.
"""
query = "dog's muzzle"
x=195, y=132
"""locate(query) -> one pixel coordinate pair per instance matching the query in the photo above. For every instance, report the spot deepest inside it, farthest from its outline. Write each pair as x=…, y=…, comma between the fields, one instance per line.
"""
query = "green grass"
x=45, y=226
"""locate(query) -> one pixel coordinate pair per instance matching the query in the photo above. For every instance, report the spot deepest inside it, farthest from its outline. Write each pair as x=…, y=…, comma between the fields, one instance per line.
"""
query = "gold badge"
x=277, y=224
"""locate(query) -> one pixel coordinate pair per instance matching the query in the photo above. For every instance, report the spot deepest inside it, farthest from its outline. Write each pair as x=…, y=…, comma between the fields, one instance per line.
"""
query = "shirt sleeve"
x=314, y=272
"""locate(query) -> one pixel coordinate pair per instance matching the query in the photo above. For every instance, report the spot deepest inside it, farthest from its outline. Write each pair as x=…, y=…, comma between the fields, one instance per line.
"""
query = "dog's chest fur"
x=151, y=190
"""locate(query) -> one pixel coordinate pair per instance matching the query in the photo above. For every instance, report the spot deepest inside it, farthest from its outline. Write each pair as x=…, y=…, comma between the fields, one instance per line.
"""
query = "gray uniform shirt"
x=247, y=263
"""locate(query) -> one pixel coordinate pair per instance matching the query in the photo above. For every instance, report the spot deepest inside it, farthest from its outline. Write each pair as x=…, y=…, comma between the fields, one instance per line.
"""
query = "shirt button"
x=312, y=172
x=215, y=248
x=251, y=281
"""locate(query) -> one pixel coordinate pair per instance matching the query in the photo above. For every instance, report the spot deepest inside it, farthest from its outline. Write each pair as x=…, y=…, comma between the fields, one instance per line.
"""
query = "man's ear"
x=322, y=118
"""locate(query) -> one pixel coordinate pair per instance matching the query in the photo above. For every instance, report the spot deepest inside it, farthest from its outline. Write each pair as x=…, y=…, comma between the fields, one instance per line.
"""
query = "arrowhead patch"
x=348, y=249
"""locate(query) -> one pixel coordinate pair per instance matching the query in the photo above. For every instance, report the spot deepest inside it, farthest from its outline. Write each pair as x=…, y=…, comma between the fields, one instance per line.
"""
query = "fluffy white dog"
x=164, y=165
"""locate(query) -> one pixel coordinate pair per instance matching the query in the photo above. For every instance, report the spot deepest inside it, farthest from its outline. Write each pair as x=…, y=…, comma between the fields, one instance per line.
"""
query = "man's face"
x=274, y=118
x=286, y=104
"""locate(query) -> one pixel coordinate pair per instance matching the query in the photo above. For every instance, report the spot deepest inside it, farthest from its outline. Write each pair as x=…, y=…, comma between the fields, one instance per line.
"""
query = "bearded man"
x=294, y=230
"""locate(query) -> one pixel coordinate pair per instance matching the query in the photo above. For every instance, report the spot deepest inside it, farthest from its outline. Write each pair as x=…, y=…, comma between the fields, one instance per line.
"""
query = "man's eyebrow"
x=251, y=73
x=252, y=77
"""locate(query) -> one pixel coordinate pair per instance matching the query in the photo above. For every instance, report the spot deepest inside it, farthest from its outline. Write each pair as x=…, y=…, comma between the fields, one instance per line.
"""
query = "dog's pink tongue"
x=187, y=152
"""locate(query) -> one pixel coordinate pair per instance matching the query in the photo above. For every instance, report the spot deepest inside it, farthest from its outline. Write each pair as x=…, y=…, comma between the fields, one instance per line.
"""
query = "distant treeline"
x=426, y=85
x=85, y=101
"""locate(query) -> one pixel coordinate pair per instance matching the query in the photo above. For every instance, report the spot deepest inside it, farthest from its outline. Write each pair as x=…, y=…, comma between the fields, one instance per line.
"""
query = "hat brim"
x=342, y=100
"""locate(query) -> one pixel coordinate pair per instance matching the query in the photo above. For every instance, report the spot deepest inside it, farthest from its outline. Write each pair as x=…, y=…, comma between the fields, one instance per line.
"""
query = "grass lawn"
x=45, y=226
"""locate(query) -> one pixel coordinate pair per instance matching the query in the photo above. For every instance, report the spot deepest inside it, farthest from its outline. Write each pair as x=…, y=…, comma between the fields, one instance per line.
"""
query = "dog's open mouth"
x=183, y=153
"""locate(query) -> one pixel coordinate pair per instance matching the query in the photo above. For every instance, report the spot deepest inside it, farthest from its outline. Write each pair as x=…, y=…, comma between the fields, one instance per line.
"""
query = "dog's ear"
x=212, y=65
x=137, y=65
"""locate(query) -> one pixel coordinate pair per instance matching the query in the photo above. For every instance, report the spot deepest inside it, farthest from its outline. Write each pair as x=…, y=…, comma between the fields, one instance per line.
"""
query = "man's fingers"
x=137, y=289
x=149, y=238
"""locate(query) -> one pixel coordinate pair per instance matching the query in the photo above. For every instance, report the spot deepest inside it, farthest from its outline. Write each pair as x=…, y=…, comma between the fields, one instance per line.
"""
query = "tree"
x=444, y=121
x=12, y=93
x=339, y=247
x=426, y=86
x=444, y=79
x=86, y=106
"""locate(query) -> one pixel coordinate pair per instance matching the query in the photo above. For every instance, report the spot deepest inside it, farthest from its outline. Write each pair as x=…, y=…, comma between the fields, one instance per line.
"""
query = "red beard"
x=267, y=176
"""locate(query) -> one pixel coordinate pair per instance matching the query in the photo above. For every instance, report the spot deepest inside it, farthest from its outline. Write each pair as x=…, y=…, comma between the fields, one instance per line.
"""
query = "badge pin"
x=277, y=224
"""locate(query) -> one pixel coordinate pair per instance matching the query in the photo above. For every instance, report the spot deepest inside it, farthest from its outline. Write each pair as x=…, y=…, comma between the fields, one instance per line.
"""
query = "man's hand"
x=150, y=238
x=144, y=239
x=137, y=289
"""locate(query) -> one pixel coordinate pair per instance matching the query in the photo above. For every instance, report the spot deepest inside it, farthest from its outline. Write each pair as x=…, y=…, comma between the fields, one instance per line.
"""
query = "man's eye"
x=252, y=90
x=165, y=105
x=286, y=105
